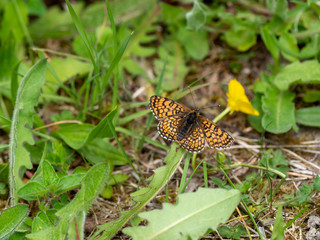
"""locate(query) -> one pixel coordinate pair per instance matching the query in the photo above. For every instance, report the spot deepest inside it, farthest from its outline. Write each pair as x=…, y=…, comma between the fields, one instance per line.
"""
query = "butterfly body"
x=186, y=126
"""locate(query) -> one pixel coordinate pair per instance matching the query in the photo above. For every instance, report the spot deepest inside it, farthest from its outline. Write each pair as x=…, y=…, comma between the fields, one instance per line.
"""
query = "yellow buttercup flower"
x=237, y=99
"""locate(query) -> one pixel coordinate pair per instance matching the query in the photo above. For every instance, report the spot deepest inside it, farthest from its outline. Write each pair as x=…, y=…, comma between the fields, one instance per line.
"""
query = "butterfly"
x=187, y=126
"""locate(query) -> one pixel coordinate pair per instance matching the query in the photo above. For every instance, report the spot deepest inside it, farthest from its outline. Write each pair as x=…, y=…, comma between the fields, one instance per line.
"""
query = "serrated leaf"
x=297, y=72
x=22, y=121
x=91, y=186
x=191, y=217
x=308, y=116
x=11, y=218
x=278, y=111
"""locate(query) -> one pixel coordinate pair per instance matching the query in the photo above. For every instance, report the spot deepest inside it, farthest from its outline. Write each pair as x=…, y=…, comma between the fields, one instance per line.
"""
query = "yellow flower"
x=237, y=99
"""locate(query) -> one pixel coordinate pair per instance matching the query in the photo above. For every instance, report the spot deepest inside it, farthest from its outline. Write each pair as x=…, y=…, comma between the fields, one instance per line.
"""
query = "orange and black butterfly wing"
x=164, y=107
x=215, y=136
x=169, y=127
x=194, y=141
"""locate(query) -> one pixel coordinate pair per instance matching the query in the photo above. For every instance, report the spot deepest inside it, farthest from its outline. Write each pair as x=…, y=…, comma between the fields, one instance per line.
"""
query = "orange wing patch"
x=215, y=136
x=168, y=127
x=194, y=141
x=164, y=107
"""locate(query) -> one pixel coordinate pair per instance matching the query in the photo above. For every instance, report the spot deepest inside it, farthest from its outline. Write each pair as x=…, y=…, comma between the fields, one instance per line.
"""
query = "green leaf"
x=36, y=7
x=117, y=178
x=278, y=111
x=144, y=195
x=85, y=39
x=77, y=136
x=101, y=150
x=91, y=186
x=195, y=43
x=49, y=175
x=270, y=41
x=278, y=7
x=196, y=18
x=107, y=192
x=311, y=96
x=290, y=42
x=11, y=218
x=275, y=160
x=308, y=116
x=256, y=121
x=44, y=220
x=278, y=229
x=32, y=191
x=69, y=182
x=242, y=40
x=22, y=121
x=297, y=72
x=210, y=207
x=232, y=232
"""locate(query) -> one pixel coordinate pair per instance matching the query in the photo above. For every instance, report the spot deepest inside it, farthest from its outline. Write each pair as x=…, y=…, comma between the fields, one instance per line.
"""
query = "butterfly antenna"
x=194, y=102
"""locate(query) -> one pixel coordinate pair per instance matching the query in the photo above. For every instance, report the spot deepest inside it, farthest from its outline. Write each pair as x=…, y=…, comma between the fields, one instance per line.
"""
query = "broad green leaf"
x=311, y=96
x=171, y=14
x=144, y=195
x=278, y=7
x=32, y=191
x=64, y=69
x=91, y=186
x=256, y=121
x=22, y=121
x=308, y=116
x=297, y=72
x=289, y=41
x=270, y=41
x=44, y=220
x=278, y=111
x=69, y=182
x=196, y=18
x=117, y=178
x=195, y=43
x=48, y=174
x=77, y=136
x=207, y=207
x=11, y=218
x=101, y=150
x=36, y=7
x=232, y=232
x=278, y=228
x=242, y=40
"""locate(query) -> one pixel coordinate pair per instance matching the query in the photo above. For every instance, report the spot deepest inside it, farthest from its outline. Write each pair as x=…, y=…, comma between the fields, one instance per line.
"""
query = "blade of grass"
x=115, y=48
x=115, y=61
x=83, y=35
